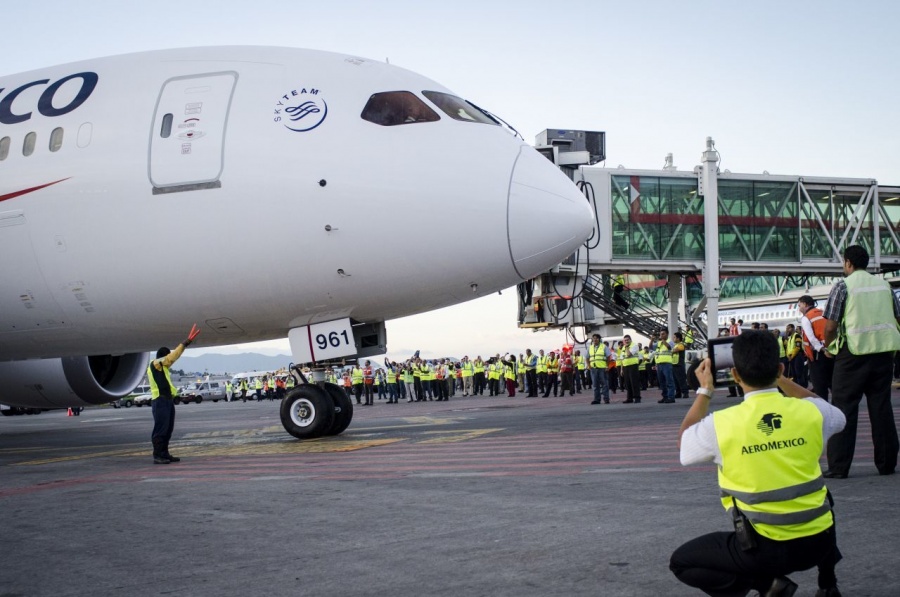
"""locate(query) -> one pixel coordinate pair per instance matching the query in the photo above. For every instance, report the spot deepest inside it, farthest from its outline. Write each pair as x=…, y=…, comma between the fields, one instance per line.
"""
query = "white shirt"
x=808, y=330
x=700, y=444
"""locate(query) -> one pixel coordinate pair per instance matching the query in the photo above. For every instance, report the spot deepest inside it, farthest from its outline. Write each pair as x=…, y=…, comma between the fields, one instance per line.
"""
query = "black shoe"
x=596, y=402
x=172, y=458
x=160, y=460
x=830, y=474
x=638, y=401
x=665, y=401
x=890, y=472
x=832, y=592
x=782, y=586
x=629, y=401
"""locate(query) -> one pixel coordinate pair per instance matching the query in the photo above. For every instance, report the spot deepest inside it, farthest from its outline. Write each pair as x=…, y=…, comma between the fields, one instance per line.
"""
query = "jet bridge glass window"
x=458, y=108
x=391, y=108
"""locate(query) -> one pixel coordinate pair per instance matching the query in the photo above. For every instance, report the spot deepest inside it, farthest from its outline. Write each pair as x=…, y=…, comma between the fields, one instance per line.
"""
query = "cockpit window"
x=458, y=108
x=391, y=108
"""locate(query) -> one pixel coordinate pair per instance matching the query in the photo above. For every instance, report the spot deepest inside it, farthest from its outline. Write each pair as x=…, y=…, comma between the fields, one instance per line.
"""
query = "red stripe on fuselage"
x=31, y=190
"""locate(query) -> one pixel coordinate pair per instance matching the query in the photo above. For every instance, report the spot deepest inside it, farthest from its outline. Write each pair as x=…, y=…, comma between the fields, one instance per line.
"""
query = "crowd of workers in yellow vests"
x=603, y=366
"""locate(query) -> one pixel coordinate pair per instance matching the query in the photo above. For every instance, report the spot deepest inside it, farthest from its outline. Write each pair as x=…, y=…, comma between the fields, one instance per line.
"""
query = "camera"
x=721, y=361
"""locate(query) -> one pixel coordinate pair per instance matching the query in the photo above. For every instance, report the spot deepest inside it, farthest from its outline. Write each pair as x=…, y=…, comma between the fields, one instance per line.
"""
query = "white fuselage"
x=239, y=218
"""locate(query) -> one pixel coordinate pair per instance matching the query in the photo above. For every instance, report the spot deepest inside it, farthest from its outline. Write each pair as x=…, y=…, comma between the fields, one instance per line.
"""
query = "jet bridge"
x=771, y=237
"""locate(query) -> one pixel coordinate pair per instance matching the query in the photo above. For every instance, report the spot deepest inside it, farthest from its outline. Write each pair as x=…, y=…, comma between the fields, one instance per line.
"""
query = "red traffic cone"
x=70, y=412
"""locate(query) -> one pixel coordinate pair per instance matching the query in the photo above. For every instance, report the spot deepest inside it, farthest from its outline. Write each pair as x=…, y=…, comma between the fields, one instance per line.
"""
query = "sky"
x=801, y=88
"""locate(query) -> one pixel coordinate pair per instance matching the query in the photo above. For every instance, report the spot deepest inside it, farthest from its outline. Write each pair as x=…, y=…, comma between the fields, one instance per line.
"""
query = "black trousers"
x=531, y=377
x=163, y=425
x=632, y=383
x=479, y=383
x=855, y=375
x=552, y=383
x=715, y=563
x=821, y=371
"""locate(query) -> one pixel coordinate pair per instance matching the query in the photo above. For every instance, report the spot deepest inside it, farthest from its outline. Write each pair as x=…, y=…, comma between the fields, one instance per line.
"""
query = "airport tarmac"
x=476, y=496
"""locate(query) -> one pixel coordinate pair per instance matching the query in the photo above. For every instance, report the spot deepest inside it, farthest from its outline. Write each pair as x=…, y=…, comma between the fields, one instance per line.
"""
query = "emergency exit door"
x=187, y=143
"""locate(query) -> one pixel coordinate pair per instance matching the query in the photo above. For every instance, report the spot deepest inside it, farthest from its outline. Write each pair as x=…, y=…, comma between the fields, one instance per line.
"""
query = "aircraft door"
x=187, y=142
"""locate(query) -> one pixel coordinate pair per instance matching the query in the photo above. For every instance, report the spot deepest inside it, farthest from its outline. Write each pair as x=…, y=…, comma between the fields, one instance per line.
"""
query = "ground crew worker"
x=552, y=375
x=258, y=386
x=767, y=449
x=580, y=380
x=663, y=358
x=356, y=379
x=494, y=368
x=163, y=393
x=821, y=362
x=368, y=383
x=619, y=291
x=630, y=362
x=541, y=371
x=479, y=376
x=530, y=363
x=229, y=391
x=862, y=332
x=794, y=351
x=612, y=369
x=679, y=373
x=468, y=372
x=688, y=338
x=597, y=355
x=409, y=381
x=245, y=389
x=510, y=373
x=566, y=373
x=643, y=367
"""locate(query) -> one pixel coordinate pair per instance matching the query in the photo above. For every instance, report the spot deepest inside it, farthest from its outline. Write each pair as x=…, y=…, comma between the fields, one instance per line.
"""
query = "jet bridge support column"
x=675, y=290
x=709, y=189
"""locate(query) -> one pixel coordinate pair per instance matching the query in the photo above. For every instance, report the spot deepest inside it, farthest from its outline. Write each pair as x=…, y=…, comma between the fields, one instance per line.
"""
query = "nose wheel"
x=309, y=411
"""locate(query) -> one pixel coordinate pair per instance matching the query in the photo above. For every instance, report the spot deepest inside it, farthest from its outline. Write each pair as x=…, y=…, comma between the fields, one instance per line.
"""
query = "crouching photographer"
x=767, y=449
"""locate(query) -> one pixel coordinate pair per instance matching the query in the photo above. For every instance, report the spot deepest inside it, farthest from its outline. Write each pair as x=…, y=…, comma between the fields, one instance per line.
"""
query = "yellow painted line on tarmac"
x=129, y=452
x=449, y=437
x=298, y=447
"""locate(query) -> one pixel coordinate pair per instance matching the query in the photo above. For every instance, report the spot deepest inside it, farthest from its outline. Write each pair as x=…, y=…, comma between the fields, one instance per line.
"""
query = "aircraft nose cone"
x=548, y=217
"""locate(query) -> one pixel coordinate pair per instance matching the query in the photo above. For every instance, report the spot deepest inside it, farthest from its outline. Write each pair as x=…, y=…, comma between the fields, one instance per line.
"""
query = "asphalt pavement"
x=476, y=496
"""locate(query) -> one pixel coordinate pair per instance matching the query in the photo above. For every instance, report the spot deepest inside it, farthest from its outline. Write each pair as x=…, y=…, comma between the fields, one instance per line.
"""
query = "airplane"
x=128, y=185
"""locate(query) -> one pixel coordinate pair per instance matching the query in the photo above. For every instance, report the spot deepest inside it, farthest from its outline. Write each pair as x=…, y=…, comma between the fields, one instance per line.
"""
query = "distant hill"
x=219, y=364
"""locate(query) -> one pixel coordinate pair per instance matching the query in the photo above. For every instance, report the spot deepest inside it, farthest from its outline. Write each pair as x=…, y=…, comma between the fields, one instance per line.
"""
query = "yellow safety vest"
x=510, y=371
x=542, y=364
x=676, y=354
x=356, y=376
x=663, y=353
x=868, y=325
x=627, y=359
x=468, y=369
x=479, y=366
x=579, y=362
x=770, y=449
x=598, y=356
x=154, y=389
x=552, y=365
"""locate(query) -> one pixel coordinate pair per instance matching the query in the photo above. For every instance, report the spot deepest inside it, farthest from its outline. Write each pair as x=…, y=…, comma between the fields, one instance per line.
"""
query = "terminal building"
x=771, y=238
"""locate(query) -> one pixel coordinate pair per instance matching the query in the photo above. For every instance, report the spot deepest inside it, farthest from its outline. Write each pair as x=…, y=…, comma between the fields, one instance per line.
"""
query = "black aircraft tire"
x=343, y=409
x=307, y=412
x=199, y=399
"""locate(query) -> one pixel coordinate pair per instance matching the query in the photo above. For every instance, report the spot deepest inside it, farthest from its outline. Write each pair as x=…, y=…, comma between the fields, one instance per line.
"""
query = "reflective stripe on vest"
x=869, y=326
x=629, y=359
x=770, y=448
x=598, y=356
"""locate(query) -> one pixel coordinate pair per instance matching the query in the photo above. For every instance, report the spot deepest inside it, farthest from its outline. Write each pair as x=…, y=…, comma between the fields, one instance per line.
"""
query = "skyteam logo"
x=301, y=110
